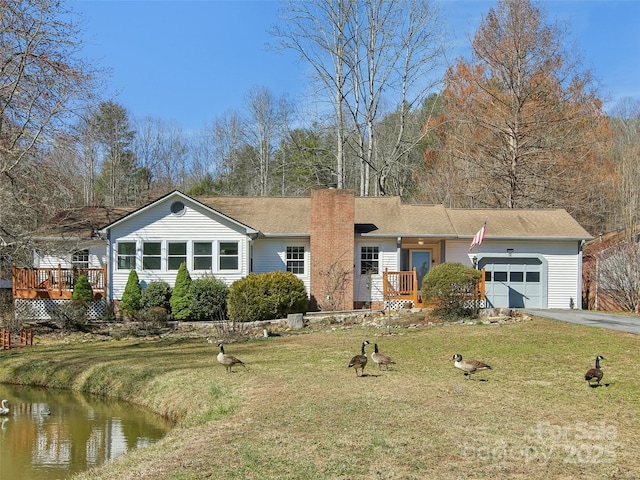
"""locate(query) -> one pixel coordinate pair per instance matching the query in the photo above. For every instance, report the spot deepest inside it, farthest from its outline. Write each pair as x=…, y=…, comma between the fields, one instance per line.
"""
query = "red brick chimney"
x=332, y=248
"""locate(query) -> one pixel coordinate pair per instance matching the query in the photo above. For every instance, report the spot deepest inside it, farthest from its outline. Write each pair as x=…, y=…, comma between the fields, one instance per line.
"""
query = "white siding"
x=158, y=224
x=564, y=277
x=97, y=258
x=269, y=255
x=365, y=290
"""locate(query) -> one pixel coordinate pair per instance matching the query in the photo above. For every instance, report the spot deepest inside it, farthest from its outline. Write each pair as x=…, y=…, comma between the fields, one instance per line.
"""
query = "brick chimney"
x=332, y=248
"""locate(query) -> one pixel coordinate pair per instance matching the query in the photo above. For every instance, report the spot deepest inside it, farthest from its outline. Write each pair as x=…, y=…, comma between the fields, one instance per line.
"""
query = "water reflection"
x=52, y=434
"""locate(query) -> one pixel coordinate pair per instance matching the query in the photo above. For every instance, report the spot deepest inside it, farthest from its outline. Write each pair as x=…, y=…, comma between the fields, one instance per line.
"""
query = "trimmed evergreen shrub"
x=82, y=291
x=266, y=296
x=450, y=285
x=156, y=294
x=180, y=294
x=132, y=295
x=208, y=299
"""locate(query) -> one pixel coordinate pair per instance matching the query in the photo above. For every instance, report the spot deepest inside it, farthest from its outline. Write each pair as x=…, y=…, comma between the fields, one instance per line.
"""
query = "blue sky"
x=190, y=61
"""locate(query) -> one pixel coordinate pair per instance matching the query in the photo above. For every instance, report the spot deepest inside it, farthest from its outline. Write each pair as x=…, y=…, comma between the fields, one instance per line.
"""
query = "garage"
x=514, y=282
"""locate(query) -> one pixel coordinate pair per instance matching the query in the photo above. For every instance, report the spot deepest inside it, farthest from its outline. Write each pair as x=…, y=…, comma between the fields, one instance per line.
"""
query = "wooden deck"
x=403, y=286
x=55, y=282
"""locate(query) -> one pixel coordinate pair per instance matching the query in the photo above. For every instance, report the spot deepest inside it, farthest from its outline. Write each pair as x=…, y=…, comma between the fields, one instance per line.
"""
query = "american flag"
x=479, y=237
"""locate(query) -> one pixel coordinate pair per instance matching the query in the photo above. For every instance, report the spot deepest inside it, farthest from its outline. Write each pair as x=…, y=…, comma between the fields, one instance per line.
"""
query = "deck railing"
x=404, y=286
x=55, y=282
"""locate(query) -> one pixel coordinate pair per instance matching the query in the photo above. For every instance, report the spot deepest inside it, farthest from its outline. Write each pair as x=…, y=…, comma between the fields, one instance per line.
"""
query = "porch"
x=55, y=283
x=402, y=287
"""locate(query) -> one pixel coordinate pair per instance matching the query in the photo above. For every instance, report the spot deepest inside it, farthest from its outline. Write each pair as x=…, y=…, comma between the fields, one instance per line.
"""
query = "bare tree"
x=41, y=79
x=161, y=150
x=265, y=126
x=625, y=121
x=369, y=57
x=618, y=274
x=317, y=31
x=524, y=120
x=43, y=84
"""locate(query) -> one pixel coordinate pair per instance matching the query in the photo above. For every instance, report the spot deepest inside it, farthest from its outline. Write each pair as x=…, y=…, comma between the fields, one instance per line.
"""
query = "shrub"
x=266, y=296
x=180, y=295
x=132, y=296
x=450, y=285
x=156, y=294
x=208, y=299
x=82, y=291
x=153, y=321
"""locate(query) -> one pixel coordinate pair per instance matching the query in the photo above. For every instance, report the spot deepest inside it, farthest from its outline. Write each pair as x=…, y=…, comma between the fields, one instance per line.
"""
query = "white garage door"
x=514, y=282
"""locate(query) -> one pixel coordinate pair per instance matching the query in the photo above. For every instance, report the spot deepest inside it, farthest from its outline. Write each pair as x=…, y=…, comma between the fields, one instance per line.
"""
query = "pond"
x=52, y=434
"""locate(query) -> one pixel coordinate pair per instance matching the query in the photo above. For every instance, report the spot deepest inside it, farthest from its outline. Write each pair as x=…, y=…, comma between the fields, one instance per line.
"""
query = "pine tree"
x=82, y=291
x=180, y=297
x=132, y=296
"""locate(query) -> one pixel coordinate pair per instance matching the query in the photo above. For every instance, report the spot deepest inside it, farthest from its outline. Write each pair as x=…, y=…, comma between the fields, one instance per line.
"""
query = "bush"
x=208, y=299
x=82, y=291
x=132, y=296
x=451, y=285
x=156, y=294
x=180, y=295
x=266, y=296
x=153, y=321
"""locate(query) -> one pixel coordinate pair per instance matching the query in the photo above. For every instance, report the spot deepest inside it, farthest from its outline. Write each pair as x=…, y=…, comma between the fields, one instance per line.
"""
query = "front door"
x=421, y=261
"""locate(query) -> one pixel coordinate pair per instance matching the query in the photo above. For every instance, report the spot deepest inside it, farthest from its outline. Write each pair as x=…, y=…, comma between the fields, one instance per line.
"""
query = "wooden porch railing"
x=26, y=339
x=401, y=286
x=55, y=282
x=404, y=286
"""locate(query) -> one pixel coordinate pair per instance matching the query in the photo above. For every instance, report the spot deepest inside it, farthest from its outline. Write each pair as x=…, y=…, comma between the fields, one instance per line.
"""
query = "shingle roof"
x=515, y=223
x=384, y=216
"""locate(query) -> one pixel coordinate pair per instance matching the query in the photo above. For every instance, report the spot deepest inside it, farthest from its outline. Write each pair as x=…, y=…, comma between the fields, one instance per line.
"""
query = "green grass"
x=297, y=412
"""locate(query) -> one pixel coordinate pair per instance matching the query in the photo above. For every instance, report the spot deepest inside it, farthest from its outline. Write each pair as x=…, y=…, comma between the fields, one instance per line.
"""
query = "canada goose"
x=381, y=358
x=469, y=366
x=227, y=360
x=360, y=361
x=594, y=373
x=4, y=410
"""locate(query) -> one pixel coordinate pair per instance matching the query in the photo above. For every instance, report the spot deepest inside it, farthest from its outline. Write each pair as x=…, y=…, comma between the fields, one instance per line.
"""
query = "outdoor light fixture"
x=510, y=251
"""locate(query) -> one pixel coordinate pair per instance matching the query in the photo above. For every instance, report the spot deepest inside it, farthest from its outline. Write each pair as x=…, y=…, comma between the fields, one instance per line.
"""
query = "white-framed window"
x=126, y=255
x=295, y=260
x=202, y=255
x=152, y=255
x=228, y=256
x=369, y=260
x=80, y=259
x=176, y=254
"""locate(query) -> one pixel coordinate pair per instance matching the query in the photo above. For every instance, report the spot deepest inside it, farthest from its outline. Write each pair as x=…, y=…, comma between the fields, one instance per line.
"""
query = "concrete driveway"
x=624, y=323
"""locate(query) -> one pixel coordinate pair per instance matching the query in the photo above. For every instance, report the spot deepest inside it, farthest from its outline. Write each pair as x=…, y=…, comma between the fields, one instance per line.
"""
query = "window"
x=80, y=259
x=151, y=256
x=202, y=254
x=516, y=276
x=228, y=255
x=533, y=277
x=126, y=256
x=176, y=255
x=500, y=276
x=369, y=260
x=295, y=260
x=178, y=208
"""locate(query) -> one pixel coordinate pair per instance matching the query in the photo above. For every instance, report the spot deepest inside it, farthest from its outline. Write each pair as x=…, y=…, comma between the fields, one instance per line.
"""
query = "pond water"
x=51, y=434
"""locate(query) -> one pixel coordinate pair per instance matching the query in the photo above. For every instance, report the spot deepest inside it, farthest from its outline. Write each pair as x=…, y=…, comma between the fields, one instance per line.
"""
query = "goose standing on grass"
x=595, y=373
x=381, y=358
x=360, y=361
x=227, y=360
x=469, y=366
x=4, y=410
